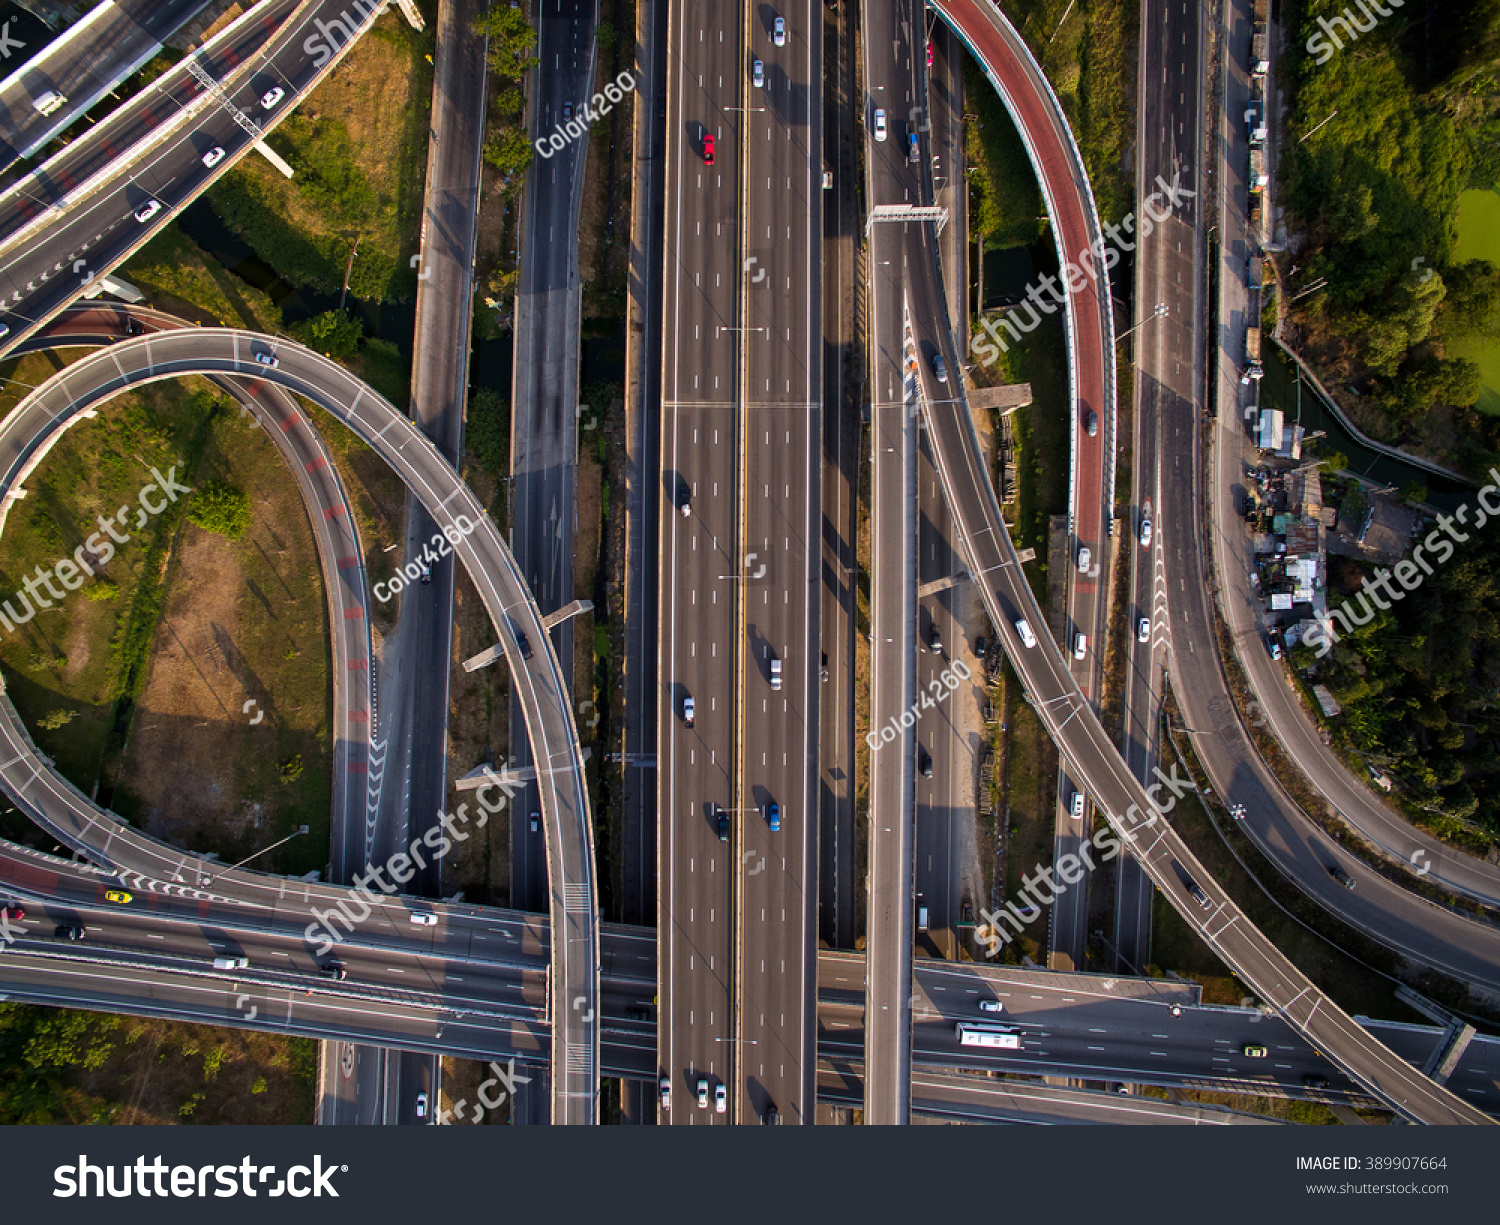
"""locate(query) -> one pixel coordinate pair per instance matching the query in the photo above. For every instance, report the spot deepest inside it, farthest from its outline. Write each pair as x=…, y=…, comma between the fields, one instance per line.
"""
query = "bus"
x=980, y=1033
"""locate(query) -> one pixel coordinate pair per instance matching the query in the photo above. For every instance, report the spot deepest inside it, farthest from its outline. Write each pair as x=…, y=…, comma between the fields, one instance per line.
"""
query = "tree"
x=333, y=333
x=487, y=430
x=508, y=152
x=511, y=40
x=1472, y=306
x=56, y=719
x=220, y=508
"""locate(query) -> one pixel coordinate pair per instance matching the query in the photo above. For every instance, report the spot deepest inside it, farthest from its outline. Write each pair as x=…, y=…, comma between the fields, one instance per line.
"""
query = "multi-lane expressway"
x=478, y=988
x=78, y=214
x=1049, y=682
x=740, y=454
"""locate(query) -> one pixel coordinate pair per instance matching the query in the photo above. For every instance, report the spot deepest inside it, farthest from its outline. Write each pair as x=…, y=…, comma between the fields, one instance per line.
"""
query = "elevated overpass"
x=1050, y=686
x=28, y=433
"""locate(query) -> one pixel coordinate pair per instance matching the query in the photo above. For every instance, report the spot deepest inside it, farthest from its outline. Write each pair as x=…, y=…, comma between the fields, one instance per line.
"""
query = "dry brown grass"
x=243, y=621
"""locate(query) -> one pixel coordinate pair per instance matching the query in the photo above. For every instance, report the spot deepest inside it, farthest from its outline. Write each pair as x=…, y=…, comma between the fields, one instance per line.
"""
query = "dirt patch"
x=238, y=683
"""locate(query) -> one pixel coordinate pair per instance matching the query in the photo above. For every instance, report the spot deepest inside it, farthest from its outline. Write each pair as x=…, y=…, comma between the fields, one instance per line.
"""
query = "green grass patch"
x=1005, y=207
x=358, y=147
x=1040, y=433
x=181, y=279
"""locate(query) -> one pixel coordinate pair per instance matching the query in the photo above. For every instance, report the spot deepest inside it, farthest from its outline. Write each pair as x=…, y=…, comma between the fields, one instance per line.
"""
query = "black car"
x=1341, y=876
x=924, y=764
x=523, y=644
x=1315, y=1082
x=1198, y=895
x=771, y=1118
x=981, y=647
x=334, y=970
x=68, y=931
x=723, y=821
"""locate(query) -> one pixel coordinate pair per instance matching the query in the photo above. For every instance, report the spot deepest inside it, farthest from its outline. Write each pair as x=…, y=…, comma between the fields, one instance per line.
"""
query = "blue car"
x=773, y=817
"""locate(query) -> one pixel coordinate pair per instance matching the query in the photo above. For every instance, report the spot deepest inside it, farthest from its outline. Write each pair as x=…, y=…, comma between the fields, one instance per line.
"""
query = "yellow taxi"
x=118, y=895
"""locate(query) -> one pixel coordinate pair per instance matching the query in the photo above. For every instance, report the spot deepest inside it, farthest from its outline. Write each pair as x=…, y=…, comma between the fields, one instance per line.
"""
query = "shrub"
x=220, y=508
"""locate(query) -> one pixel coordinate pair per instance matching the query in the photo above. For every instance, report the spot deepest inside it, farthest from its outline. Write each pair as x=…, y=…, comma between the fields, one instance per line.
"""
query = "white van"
x=1027, y=637
x=49, y=102
x=775, y=673
x=231, y=963
x=921, y=918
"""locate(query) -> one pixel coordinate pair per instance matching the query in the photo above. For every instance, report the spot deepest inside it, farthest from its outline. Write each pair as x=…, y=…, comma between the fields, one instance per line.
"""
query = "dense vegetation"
x=1383, y=136
x=510, y=53
x=1419, y=684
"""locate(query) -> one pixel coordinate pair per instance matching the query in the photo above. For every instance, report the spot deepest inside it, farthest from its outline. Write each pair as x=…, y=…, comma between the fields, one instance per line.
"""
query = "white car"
x=666, y=1093
x=147, y=211
x=758, y=74
x=880, y=129
x=991, y=1006
x=1028, y=639
x=267, y=359
x=702, y=1093
x=778, y=31
x=1146, y=533
x=721, y=1099
x=421, y=1105
x=1077, y=808
x=1084, y=559
x=1080, y=645
x=423, y=919
x=1143, y=630
x=688, y=711
x=213, y=157
x=271, y=97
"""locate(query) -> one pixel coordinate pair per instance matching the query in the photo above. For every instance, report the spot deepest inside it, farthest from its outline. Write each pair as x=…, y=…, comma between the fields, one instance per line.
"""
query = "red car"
x=13, y=911
x=929, y=53
x=708, y=149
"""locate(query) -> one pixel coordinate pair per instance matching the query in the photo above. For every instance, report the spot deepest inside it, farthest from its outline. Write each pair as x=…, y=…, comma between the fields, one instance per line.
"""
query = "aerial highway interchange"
x=737, y=992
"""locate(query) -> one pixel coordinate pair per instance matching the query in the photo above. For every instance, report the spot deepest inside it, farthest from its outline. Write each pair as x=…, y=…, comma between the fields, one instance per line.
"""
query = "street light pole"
x=205, y=879
x=1159, y=313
